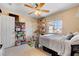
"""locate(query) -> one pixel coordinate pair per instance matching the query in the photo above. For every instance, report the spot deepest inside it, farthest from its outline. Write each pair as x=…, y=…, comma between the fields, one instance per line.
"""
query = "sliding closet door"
x=3, y=31
x=8, y=31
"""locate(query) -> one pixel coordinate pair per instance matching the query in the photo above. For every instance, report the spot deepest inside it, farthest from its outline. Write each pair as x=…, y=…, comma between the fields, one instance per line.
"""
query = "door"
x=3, y=31
x=8, y=31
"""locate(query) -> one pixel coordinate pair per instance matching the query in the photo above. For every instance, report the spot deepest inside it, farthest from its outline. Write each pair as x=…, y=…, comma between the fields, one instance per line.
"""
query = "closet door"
x=3, y=31
x=8, y=31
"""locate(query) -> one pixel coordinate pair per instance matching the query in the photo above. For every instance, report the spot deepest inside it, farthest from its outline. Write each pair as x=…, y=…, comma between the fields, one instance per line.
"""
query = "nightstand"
x=74, y=49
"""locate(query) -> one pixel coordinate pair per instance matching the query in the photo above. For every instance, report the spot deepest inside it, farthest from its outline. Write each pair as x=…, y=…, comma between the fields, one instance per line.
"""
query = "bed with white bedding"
x=58, y=43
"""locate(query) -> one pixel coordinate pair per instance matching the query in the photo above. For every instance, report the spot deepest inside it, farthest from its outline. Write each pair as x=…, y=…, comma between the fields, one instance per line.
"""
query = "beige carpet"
x=24, y=50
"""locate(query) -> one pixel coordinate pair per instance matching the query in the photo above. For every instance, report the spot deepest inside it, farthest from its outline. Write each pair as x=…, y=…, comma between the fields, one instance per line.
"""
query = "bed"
x=58, y=43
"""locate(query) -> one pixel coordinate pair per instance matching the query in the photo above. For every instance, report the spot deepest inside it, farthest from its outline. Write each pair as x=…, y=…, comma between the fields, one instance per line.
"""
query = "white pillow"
x=75, y=33
x=76, y=37
x=69, y=36
x=75, y=40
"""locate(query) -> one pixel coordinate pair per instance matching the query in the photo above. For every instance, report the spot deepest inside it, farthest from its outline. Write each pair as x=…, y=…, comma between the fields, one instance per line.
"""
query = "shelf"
x=20, y=33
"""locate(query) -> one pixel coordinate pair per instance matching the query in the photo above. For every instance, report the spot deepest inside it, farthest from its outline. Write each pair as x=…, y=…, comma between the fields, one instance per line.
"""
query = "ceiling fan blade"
x=30, y=6
x=40, y=5
x=36, y=5
x=31, y=12
x=45, y=11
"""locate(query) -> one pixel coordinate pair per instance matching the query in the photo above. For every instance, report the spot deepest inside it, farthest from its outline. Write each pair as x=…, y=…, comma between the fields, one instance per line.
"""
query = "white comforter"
x=57, y=43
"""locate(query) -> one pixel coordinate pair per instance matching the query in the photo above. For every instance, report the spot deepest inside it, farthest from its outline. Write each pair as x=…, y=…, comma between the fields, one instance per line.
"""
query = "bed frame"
x=53, y=53
x=74, y=49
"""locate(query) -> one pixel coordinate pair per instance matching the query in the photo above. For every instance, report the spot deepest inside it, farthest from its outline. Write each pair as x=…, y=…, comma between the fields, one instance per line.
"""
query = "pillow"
x=75, y=33
x=68, y=37
x=76, y=37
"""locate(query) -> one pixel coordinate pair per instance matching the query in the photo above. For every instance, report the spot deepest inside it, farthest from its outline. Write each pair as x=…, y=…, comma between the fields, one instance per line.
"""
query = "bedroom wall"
x=69, y=18
x=31, y=25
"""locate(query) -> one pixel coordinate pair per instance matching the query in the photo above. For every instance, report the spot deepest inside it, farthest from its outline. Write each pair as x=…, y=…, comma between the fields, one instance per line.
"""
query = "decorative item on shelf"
x=23, y=41
x=17, y=43
x=17, y=29
x=20, y=38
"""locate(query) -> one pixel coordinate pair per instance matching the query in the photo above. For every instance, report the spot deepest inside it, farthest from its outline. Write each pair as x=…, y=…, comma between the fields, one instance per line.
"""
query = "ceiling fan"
x=36, y=8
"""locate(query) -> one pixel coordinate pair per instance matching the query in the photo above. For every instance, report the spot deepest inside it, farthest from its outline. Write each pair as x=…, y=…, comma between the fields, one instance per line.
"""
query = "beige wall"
x=31, y=25
x=69, y=19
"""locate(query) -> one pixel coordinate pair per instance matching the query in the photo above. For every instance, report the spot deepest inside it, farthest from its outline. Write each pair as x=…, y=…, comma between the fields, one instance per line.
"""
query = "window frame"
x=54, y=30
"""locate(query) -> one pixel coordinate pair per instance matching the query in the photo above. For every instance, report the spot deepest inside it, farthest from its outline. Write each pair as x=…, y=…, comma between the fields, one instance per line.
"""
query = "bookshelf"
x=20, y=33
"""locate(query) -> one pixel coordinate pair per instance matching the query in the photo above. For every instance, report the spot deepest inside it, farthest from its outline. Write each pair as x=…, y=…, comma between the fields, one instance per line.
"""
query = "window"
x=55, y=26
x=51, y=29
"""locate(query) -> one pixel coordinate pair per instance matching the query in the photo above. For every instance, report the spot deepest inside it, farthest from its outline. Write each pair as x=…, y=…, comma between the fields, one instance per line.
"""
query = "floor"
x=24, y=50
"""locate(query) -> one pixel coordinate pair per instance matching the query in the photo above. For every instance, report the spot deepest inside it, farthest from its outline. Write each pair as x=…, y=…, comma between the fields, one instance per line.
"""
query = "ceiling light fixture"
x=38, y=13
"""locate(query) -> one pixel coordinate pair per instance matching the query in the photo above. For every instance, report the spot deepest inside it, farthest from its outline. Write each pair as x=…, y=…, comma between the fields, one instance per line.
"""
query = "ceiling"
x=22, y=10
